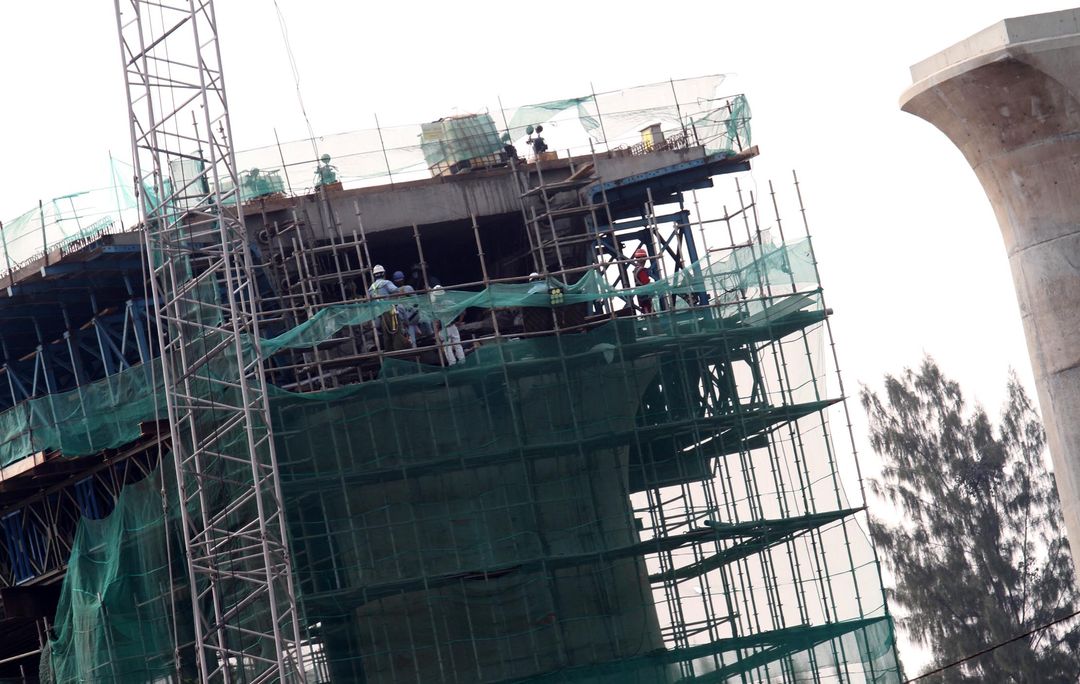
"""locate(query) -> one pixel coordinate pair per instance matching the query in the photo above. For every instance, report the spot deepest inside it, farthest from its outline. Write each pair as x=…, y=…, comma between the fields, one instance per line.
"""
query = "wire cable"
x=296, y=76
x=993, y=648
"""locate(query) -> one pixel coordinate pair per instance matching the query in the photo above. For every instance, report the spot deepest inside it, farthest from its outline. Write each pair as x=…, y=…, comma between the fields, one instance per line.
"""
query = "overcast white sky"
x=912, y=260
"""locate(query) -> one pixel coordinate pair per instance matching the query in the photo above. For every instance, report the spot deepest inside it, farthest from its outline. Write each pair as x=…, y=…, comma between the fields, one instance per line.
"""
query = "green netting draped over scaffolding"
x=515, y=489
x=649, y=499
x=458, y=139
x=689, y=112
x=114, y=620
x=693, y=111
x=106, y=413
x=100, y=415
x=72, y=219
x=805, y=648
x=62, y=221
x=726, y=276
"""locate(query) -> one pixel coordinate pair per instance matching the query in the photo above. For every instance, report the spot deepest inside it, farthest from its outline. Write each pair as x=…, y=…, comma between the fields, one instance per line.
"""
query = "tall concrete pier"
x=1009, y=98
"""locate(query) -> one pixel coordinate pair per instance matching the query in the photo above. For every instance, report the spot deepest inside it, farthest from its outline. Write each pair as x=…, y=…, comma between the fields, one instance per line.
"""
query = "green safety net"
x=77, y=217
x=451, y=141
x=104, y=414
x=107, y=413
x=540, y=113
x=255, y=183
x=693, y=110
x=808, y=652
x=114, y=619
x=503, y=488
x=689, y=106
x=727, y=276
x=62, y=221
x=74, y=218
x=495, y=521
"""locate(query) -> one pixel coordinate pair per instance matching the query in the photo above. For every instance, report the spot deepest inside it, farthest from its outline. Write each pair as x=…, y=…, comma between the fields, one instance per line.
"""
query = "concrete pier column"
x=1009, y=98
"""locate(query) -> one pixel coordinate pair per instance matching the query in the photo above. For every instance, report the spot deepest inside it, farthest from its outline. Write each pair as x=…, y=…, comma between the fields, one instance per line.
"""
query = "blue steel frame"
x=113, y=339
x=38, y=530
x=634, y=223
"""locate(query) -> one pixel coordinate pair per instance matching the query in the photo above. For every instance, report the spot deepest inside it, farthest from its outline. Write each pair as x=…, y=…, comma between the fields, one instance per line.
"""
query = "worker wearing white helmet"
x=387, y=325
x=447, y=332
x=380, y=286
x=539, y=285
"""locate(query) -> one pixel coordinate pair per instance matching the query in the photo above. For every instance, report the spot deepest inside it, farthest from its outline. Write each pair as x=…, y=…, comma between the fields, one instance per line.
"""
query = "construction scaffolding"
x=599, y=436
x=239, y=574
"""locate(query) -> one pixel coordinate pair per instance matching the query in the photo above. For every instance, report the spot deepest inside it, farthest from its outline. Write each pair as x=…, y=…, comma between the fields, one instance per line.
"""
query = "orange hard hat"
x=641, y=253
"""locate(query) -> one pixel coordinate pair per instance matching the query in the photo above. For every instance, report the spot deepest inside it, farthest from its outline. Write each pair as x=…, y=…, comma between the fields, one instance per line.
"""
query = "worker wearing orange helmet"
x=642, y=277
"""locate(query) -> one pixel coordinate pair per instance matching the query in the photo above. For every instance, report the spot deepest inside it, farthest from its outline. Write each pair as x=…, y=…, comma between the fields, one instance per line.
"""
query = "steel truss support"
x=112, y=341
x=37, y=533
x=675, y=244
x=246, y=623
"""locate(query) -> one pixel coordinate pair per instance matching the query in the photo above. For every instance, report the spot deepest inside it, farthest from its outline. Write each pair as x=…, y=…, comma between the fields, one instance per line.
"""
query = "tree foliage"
x=978, y=550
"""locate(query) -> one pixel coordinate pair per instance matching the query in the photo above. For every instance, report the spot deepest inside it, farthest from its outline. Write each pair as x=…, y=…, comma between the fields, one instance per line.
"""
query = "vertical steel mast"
x=246, y=624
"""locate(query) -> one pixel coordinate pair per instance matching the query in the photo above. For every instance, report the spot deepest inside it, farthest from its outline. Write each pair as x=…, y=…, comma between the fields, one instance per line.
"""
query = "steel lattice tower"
x=246, y=623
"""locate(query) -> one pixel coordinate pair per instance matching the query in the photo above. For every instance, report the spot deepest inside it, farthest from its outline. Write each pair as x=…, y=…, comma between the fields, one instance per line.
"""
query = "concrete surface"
x=484, y=193
x=1009, y=98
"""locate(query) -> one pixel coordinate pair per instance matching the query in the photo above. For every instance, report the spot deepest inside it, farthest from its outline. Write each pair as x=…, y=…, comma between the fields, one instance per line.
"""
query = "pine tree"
x=978, y=550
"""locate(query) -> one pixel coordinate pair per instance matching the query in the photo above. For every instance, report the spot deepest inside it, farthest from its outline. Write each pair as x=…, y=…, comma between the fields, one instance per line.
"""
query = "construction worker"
x=510, y=153
x=538, y=144
x=642, y=277
x=416, y=278
x=380, y=286
x=448, y=335
x=420, y=281
x=539, y=284
x=537, y=319
x=325, y=173
x=387, y=325
x=408, y=314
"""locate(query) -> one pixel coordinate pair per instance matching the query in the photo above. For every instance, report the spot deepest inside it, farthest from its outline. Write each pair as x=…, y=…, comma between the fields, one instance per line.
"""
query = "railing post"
x=44, y=238
x=3, y=242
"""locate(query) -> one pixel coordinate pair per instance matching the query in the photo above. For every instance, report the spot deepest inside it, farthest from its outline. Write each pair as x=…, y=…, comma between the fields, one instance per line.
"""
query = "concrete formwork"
x=1009, y=98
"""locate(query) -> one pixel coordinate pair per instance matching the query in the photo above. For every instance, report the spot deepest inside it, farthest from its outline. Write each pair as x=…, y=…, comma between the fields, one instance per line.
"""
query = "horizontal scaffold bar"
x=759, y=535
x=768, y=646
x=756, y=535
x=732, y=428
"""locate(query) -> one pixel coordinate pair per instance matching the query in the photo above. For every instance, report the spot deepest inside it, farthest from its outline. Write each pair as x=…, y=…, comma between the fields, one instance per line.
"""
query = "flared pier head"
x=1009, y=98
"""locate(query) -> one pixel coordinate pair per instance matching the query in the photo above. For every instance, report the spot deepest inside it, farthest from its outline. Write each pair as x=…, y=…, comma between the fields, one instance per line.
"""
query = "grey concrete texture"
x=492, y=192
x=1009, y=99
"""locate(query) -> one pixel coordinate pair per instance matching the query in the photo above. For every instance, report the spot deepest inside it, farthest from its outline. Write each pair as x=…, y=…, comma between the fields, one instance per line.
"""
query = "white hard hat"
x=378, y=270
x=534, y=275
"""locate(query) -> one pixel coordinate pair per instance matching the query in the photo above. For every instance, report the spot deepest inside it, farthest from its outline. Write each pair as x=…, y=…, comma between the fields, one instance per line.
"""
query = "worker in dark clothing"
x=538, y=144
